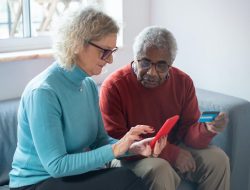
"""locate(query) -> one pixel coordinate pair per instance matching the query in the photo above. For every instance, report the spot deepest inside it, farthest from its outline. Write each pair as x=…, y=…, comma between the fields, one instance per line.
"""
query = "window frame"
x=32, y=43
x=14, y=44
x=27, y=43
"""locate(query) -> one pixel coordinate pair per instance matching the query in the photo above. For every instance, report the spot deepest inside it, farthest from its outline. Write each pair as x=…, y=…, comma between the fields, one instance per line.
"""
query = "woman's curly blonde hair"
x=77, y=28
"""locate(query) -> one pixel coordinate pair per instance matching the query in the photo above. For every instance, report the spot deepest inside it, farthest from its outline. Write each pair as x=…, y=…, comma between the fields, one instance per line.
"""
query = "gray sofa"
x=234, y=141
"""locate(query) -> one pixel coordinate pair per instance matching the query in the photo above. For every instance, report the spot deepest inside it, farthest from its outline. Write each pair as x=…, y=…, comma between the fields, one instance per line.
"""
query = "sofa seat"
x=5, y=187
x=234, y=140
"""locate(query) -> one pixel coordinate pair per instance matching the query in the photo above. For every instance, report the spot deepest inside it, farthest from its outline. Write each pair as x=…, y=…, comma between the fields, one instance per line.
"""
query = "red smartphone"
x=165, y=129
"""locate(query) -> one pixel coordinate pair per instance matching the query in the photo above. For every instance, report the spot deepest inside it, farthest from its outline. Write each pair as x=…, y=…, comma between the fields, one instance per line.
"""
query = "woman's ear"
x=77, y=48
x=76, y=51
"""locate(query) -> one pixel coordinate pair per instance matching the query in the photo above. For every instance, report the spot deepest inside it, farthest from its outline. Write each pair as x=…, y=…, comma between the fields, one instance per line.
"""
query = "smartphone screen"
x=208, y=116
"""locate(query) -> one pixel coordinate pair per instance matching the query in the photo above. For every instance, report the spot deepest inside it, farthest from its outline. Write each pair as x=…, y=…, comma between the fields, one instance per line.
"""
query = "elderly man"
x=150, y=90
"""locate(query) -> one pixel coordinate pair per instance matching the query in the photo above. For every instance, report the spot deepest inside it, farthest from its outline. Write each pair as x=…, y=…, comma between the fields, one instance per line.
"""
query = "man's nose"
x=152, y=70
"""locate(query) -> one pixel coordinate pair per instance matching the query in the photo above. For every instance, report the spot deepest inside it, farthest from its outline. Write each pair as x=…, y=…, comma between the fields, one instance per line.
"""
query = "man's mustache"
x=150, y=78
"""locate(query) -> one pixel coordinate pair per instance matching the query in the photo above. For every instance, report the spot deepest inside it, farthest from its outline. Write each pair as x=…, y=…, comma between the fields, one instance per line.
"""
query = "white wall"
x=213, y=38
x=14, y=76
x=214, y=41
x=135, y=17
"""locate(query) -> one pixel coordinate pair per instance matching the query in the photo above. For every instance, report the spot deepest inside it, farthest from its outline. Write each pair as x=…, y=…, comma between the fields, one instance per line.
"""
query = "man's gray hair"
x=154, y=36
x=76, y=29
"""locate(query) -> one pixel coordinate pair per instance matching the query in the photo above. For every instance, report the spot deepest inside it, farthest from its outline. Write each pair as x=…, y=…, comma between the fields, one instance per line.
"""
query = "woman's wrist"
x=115, y=149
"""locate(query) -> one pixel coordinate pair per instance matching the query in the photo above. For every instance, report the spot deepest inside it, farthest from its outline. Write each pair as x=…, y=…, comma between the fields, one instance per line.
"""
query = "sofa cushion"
x=8, y=139
x=185, y=185
x=235, y=139
x=5, y=187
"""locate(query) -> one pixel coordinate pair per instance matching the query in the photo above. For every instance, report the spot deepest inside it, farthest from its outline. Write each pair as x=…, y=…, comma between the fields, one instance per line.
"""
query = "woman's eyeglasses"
x=161, y=66
x=106, y=52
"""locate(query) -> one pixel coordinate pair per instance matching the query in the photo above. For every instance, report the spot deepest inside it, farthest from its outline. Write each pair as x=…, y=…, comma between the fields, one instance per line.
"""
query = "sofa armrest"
x=235, y=139
x=8, y=136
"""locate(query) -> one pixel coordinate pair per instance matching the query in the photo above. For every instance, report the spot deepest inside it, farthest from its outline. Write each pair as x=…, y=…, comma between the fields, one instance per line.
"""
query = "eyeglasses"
x=106, y=52
x=161, y=66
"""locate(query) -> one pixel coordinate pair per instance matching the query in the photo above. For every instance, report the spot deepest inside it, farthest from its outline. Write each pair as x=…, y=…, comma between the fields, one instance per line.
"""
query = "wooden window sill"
x=25, y=55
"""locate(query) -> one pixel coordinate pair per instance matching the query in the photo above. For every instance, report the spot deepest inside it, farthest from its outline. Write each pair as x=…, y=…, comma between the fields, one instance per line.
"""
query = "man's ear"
x=134, y=67
x=167, y=76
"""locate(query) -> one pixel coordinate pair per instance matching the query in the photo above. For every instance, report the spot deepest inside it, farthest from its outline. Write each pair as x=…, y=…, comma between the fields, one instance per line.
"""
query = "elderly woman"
x=61, y=140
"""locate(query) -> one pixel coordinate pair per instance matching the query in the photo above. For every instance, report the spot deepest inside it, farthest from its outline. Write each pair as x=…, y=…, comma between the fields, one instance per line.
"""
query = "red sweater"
x=125, y=103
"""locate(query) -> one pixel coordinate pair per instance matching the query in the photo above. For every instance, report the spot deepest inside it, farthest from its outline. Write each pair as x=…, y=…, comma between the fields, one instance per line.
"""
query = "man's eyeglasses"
x=161, y=66
x=106, y=52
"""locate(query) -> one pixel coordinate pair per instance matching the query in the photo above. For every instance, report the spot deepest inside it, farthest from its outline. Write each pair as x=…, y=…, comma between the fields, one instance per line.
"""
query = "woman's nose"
x=109, y=60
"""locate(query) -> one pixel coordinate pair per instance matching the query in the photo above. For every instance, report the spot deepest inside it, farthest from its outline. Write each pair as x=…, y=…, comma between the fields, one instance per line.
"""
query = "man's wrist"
x=209, y=129
x=155, y=155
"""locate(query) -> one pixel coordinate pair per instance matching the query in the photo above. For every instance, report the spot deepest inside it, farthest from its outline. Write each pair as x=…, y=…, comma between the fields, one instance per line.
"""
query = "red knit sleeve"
x=198, y=136
x=193, y=134
x=111, y=108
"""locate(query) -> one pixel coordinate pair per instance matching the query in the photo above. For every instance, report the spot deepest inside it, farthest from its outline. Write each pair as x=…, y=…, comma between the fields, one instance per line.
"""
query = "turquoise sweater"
x=60, y=129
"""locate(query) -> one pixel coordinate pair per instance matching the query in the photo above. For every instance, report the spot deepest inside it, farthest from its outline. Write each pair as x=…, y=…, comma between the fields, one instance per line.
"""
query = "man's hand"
x=219, y=124
x=185, y=161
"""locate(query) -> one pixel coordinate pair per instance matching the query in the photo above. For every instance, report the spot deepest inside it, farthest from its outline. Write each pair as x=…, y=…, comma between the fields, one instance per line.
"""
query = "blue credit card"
x=208, y=116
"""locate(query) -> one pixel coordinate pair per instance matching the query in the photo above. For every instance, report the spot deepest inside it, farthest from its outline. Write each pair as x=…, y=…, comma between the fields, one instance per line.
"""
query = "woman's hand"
x=143, y=147
x=159, y=146
x=132, y=136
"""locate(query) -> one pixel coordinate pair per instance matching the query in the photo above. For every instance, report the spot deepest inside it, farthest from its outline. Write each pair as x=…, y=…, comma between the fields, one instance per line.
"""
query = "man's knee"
x=219, y=159
x=159, y=167
x=213, y=169
x=216, y=160
x=161, y=173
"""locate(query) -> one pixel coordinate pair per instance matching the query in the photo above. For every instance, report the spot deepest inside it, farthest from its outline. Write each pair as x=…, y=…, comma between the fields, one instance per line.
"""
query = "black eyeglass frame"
x=106, y=52
x=154, y=64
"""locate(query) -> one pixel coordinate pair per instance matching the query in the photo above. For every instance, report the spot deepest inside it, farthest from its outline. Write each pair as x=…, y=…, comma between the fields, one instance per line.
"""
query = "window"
x=26, y=24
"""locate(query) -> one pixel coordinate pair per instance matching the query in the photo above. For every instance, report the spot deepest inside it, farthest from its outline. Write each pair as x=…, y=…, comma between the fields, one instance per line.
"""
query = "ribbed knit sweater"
x=125, y=103
x=59, y=121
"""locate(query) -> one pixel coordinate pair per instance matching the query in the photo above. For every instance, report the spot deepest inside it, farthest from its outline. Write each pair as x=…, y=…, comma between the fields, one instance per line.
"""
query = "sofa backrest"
x=8, y=136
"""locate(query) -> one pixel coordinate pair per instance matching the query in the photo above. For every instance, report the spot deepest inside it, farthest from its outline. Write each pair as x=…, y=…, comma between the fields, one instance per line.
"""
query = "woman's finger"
x=141, y=129
x=147, y=140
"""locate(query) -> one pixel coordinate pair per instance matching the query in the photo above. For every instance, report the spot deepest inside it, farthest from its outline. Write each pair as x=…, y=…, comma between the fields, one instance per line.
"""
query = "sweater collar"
x=76, y=75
